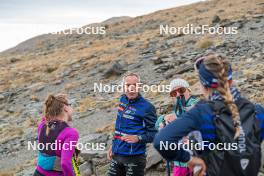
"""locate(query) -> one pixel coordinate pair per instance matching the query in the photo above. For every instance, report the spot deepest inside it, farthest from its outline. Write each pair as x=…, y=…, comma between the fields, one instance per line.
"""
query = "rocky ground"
x=72, y=63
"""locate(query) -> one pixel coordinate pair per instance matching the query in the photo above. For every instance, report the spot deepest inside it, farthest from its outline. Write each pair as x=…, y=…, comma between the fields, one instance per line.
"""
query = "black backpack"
x=246, y=160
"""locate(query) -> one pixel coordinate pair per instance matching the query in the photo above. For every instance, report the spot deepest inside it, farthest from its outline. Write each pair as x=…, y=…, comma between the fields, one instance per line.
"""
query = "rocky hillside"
x=73, y=63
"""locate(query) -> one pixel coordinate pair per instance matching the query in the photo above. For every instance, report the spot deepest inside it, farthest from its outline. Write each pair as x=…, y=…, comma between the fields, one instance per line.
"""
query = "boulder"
x=86, y=169
x=96, y=146
x=153, y=157
x=185, y=68
x=163, y=68
x=2, y=97
x=216, y=19
x=157, y=60
x=115, y=69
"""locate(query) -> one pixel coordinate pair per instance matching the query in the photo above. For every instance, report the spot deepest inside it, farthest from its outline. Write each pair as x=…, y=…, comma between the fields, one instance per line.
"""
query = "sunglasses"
x=180, y=91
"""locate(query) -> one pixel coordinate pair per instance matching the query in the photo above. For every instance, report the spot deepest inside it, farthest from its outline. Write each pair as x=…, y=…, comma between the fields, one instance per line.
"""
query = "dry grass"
x=10, y=132
x=204, y=43
x=34, y=98
x=249, y=73
x=34, y=67
x=71, y=85
x=11, y=172
x=31, y=122
x=7, y=173
x=50, y=69
x=17, y=169
x=88, y=102
x=97, y=102
x=110, y=104
x=107, y=128
x=27, y=69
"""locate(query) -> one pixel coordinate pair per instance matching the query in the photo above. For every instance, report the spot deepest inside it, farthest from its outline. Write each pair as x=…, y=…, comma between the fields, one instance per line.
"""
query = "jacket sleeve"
x=150, y=119
x=68, y=151
x=173, y=133
x=260, y=117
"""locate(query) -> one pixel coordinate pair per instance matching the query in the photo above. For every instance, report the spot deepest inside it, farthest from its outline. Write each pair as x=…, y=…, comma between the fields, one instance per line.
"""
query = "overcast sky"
x=23, y=19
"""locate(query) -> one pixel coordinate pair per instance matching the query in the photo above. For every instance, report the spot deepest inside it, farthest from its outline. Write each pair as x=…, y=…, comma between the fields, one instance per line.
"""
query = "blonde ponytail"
x=219, y=66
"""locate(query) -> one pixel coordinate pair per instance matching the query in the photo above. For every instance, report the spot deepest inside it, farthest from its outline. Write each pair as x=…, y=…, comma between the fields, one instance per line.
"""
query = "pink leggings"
x=181, y=171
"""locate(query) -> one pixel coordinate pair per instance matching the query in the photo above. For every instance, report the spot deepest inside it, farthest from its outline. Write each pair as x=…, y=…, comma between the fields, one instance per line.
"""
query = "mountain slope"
x=73, y=63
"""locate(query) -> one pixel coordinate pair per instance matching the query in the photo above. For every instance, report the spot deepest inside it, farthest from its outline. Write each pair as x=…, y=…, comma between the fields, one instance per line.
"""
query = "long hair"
x=219, y=66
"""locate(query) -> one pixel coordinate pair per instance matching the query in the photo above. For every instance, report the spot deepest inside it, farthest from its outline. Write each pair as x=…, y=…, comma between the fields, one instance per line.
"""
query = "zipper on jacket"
x=121, y=120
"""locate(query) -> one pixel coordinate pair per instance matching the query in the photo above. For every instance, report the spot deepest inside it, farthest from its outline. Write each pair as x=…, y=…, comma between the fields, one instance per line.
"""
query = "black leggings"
x=36, y=173
x=127, y=165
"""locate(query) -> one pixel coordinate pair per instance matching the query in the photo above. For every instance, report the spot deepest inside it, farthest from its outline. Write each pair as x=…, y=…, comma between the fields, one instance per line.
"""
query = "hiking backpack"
x=245, y=160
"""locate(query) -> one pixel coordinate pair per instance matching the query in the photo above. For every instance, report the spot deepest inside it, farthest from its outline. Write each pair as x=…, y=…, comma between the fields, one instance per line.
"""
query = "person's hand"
x=185, y=139
x=169, y=118
x=130, y=138
x=195, y=161
x=109, y=153
x=161, y=126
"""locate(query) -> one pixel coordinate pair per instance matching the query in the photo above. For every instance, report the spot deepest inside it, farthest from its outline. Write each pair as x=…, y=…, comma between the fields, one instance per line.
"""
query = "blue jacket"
x=134, y=117
x=198, y=118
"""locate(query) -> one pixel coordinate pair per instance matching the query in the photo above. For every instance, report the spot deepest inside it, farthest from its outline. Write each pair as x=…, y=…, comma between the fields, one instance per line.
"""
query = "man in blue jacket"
x=134, y=127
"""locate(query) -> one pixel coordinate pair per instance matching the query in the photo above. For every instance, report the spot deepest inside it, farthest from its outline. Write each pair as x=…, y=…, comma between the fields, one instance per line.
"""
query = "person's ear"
x=65, y=108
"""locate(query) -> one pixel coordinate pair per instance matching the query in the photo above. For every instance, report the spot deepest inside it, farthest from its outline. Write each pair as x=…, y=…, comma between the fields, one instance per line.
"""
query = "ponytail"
x=54, y=107
x=219, y=66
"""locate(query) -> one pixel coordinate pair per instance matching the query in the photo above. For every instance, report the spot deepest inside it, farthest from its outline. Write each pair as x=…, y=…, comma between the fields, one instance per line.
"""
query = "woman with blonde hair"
x=232, y=127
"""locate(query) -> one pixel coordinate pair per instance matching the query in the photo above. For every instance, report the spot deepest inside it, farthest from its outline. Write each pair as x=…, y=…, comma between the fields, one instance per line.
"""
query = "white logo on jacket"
x=244, y=163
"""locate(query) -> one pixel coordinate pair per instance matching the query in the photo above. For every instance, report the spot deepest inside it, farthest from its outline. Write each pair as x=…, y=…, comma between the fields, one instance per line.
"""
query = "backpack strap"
x=217, y=107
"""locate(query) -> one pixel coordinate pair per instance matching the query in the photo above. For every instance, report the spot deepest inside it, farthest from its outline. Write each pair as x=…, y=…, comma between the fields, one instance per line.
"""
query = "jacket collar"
x=216, y=95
